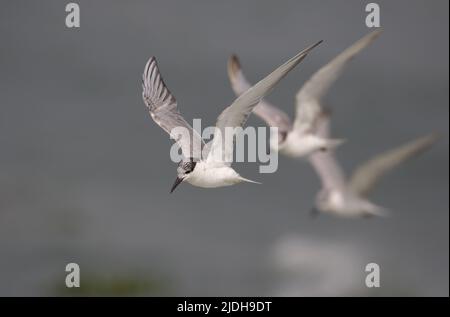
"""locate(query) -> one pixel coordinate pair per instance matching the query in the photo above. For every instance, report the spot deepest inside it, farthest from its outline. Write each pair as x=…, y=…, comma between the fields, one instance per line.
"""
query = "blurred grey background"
x=85, y=173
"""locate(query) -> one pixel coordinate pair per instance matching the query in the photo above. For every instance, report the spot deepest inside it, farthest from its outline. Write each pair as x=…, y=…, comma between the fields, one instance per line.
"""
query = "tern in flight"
x=300, y=138
x=349, y=198
x=207, y=165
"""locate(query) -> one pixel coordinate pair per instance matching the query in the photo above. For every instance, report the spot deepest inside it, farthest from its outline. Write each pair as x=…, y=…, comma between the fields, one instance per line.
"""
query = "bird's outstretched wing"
x=368, y=174
x=308, y=98
x=236, y=114
x=324, y=163
x=273, y=116
x=162, y=106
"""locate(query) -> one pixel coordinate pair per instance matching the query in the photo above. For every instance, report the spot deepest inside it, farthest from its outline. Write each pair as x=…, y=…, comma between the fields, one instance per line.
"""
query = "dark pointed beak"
x=177, y=182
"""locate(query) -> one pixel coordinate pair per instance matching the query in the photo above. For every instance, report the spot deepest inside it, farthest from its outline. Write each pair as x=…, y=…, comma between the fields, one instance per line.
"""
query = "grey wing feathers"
x=367, y=175
x=273, y=116
x=308, y=98
x=324, y=163
x=238, y=112
x=320, y=82
x=162, y=106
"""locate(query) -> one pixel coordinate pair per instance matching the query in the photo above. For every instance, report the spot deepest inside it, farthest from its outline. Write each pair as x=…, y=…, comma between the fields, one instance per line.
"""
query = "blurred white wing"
x=237, y=113
x=308, y=98
x=273, y=116
x=163, y=109
x=367, y=175
x=325, y=163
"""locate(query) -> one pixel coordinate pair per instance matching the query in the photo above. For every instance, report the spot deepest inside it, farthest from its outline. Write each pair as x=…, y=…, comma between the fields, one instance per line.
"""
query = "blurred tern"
x=299, y=139
x=349, y=198
x=207, y=165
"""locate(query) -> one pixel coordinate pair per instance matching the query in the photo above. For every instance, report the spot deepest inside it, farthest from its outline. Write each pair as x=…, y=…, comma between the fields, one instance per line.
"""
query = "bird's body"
x=207, y=165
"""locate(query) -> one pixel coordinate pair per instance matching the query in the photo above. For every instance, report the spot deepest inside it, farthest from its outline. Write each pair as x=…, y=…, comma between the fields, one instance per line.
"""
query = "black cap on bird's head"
x=183, y=170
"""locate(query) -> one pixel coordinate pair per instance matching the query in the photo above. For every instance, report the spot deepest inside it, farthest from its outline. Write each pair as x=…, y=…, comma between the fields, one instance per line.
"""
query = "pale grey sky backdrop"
x=85, y=173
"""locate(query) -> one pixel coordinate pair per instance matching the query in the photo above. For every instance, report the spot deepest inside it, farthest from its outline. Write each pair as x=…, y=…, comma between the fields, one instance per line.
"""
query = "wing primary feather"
x=308, y=98
x=272, y=115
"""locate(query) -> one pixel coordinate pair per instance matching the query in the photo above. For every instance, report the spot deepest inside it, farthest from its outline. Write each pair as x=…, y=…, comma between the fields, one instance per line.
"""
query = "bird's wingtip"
x=150, y=61
x=234, y=66
x=309, y=48
x=380, y=212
